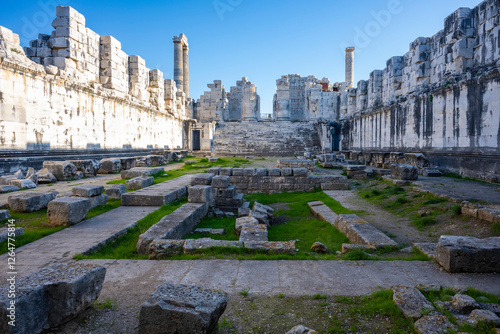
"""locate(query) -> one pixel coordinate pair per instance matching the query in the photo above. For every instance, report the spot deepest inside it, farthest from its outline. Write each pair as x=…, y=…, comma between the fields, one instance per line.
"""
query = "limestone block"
x=202, y=179
x=139, y=182
x=464, y=304
x=5, y=180
x=140, y=171
x=30, y=201
x=67, y=210
x=260, y=172
x=286, y=172
x=23, y=184
x=248, y=172
x=434, y=324
x=250, y=233
x=228, y=192
x=52, y=296
x=274, y=172
x=484, y=316
x=99, y=200
x=221, y=181
x=182, y=309
x=215, y=231
x=8, y=189
x=273, y=247
x=227, y=171
x=469, y=254
x=5, y=231
x=110, y=166
x=45, y=177
x=200, y=194
x=237, y=172
x=192, y=246
x=261, y=217
x=4, y=214
x=62, y=170
x=87, y=190
x=161, y=248
x=115, y=191
x=127, y=163
x=156, y=160
x=411, y=301
x=213, y=170
x=267, y=210
x=300, y=329
x=404, y=172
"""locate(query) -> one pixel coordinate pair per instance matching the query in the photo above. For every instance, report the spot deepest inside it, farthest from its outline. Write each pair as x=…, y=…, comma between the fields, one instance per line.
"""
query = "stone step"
x=158, y=194
x=359, y=231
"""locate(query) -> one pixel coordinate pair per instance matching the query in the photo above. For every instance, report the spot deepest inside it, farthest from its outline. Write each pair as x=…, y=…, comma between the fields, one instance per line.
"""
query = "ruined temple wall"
x=41, y=111
x=443, y=96
x=52, y=95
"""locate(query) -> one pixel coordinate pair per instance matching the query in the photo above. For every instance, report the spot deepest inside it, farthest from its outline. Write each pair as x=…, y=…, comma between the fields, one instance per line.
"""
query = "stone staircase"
x=265, y=139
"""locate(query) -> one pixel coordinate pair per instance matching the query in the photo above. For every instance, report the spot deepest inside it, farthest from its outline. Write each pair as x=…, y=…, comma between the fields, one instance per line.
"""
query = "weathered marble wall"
x=441, y=98
x=58, y=99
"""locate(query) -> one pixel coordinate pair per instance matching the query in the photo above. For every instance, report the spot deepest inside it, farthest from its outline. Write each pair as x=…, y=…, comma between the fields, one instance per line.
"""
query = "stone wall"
x=243, y=102
x=74, y=89
x=280, y=139
x=442, y=98
x=276, y=180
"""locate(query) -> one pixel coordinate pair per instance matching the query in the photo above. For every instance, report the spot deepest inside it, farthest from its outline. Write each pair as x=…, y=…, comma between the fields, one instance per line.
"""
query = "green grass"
x=106, y=304
x=362, y=309
x=244, y=293
x=319, y=296
x=496, y=228
x=191, y=168
x=124, y=247
x=456, y=209
x=422, y=223
x=36, y=224
x=227, y=223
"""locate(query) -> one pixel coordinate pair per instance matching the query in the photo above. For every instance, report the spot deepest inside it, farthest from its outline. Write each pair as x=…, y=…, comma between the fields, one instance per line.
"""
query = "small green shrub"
x=456, y=209
x=423, y=222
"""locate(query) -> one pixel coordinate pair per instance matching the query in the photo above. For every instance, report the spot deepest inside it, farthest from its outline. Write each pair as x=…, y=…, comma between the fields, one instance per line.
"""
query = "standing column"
x=186, y=70
x=349, y=66
x=178, y=62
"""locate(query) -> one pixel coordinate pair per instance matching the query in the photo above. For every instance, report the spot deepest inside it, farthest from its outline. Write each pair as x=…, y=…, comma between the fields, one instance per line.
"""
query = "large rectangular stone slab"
x=468, y=254
x=140, y=182
x=359, y=231
x=253, y=233
x=173, y=226
x=182, y=309
x=200, y=194
x=67, y=210
x=52, y=296
x=191, y=246
x=30, y=201
x=62, y=170
x=87, y=190
x=158, y=194
x=140, y=171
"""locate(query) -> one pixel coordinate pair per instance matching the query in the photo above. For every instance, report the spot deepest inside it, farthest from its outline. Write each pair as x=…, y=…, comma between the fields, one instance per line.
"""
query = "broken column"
x=181, y=62
x=349, y=66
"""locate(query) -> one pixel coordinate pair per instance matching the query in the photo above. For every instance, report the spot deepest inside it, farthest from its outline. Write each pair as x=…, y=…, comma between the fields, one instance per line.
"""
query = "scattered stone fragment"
x=23, y=184
x=5, y=180
x=99, y=200
x=110, y=166
x=4, y=214
x=318, y=247
x=139, y=182
x=30, y=201
x=404, y=172
x=182, y=309
x=115, y=191
x=485, y=316
x=433, y=324
x=45, y=177
x=240, y=222
x=5, y=231
x=62, y=170
x=8, y=189
x=253, y=232
x=52, y=296
x=87, y=190
x=162, y=248
x=301, y=330
x=412, y=302
x=261, y=217
x=495, y=308
x=67, y=210
x=464, y=304
x=19, y=174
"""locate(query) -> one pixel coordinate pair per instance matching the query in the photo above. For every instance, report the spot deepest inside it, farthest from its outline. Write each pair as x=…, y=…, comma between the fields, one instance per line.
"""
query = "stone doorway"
x=196, y=140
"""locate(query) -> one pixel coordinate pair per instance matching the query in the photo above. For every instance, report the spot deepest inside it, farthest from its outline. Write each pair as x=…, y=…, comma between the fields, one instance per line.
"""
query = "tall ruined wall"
x=302, y=99
x=441, y=98
x=243, y=102
x=74, y=89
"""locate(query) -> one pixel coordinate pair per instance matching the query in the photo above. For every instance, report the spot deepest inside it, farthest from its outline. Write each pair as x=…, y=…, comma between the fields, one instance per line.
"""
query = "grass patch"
x=244, y=293
x=422, y=223
x=124, y=247
x=319, y=296
x=227, y=223
x=36, y=224
x=456, y=209
x=496, y=228
x=106, y=304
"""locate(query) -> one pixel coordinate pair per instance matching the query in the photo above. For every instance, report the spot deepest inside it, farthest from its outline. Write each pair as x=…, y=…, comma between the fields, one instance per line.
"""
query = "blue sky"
x=259, y=39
